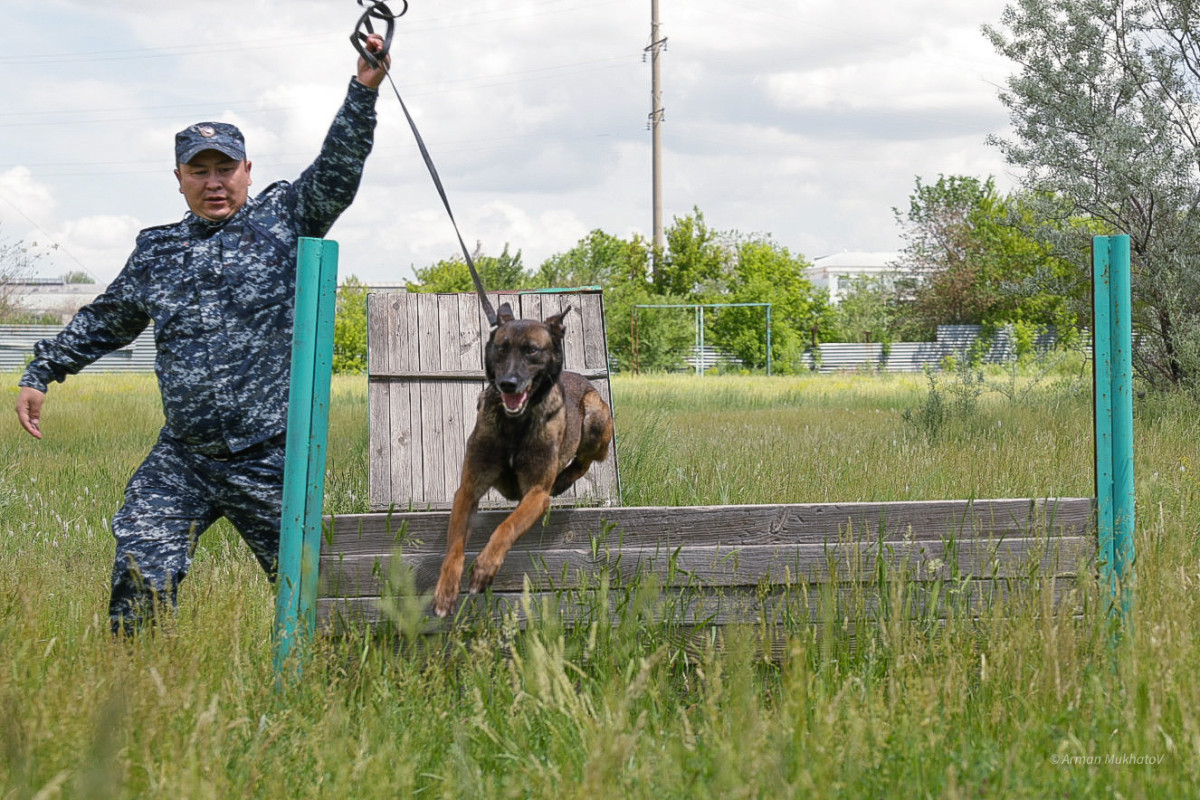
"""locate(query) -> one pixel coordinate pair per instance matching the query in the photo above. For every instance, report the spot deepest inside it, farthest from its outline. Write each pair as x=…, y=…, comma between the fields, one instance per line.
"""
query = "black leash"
x=376, y=10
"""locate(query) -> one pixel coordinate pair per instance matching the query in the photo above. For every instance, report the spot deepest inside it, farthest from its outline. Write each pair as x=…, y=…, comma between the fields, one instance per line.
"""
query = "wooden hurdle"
x=720, y=564
x=712, y=565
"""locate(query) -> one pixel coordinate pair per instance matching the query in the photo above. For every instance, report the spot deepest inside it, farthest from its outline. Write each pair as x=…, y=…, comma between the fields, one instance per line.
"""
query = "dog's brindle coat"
x=537, y=431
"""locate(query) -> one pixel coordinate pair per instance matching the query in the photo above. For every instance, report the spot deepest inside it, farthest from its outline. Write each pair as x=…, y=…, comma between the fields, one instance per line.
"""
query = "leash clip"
x=375, y=10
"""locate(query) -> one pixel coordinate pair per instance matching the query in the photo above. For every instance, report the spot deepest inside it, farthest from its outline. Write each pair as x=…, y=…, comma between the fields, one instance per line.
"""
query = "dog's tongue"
x=513, y=401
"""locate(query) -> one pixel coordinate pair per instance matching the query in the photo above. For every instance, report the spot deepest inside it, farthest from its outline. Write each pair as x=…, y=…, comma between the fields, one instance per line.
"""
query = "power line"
x=77, y=116
x=139, y=53
x=56, y=245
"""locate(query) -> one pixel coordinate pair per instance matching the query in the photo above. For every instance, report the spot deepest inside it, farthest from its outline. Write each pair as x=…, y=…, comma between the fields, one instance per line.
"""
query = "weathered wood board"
x=722, y=564
x=425, y=374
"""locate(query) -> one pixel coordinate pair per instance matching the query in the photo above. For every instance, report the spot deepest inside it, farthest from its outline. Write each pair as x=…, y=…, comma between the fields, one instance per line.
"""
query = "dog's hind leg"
x=532, y=506
x=595, y=438
x=571, y=473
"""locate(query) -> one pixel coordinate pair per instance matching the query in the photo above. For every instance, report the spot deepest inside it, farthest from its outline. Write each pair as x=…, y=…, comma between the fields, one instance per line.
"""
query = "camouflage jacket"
x=221, y=297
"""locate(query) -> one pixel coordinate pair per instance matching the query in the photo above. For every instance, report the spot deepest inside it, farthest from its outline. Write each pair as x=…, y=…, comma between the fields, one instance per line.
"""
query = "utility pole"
x=657, y=44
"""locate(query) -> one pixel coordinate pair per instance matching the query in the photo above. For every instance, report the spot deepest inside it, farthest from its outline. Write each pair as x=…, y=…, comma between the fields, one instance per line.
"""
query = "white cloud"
x=26, y=201
x=807, y=121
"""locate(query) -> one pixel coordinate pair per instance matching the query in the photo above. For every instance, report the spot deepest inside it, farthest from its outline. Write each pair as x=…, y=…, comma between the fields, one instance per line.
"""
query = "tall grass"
x=1024, y=703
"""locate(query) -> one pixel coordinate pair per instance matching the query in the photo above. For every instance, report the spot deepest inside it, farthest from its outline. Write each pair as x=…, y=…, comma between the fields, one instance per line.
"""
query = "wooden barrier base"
x=718, y=565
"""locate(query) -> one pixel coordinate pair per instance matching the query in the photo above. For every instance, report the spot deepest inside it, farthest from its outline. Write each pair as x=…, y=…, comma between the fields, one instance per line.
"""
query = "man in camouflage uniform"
x=219, y=286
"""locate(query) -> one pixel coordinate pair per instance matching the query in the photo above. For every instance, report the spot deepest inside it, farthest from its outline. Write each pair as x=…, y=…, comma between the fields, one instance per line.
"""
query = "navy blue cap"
x=219, y=136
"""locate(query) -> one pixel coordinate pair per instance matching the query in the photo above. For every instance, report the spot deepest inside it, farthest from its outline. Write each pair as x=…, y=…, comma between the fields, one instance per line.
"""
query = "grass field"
x=1020, y=704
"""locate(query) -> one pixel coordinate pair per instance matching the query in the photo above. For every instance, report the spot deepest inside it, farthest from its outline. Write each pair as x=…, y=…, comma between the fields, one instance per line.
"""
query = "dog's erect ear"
x=504, y=314
x=557, y=329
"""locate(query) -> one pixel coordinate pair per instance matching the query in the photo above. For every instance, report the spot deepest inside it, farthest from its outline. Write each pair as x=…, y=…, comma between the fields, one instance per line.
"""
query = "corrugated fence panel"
x=17, y=341
x=952, y=341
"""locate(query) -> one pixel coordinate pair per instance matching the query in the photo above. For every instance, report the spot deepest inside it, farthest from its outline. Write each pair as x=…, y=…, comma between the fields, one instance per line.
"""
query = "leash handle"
x=377, y=10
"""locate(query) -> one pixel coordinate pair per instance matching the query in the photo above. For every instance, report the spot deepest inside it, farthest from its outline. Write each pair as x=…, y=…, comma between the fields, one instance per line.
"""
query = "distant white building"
x=837, y=271
x=53, y=295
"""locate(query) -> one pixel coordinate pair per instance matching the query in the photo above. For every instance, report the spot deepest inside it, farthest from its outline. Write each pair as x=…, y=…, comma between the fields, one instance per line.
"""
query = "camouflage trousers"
x=172, y=498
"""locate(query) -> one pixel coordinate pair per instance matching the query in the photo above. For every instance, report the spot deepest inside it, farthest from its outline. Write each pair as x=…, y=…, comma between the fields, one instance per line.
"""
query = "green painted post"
x=307, y=436
x=1112, y=342
x=1102, y=396
x=1121, y=328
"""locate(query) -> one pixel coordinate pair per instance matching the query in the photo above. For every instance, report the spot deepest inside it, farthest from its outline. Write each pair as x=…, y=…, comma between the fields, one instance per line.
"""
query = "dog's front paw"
x=445, y=600
x=482, y=576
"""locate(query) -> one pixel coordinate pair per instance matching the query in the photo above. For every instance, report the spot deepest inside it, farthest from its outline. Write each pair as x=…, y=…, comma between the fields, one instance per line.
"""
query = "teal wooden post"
x=307, y=436
x=1121, y=332
x=1112, y=343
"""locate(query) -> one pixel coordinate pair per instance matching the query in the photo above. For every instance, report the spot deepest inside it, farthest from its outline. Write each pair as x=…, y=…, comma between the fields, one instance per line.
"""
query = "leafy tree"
x=620, y=267
x=598, y=259
x=646, y=339
x=1039, y=288
x=766, y=272
x=697, y=258
x=1103, y=106
x=16, y=264
x=77, y=276
x=865, y=309
x=944, y=250
x=452, y=275
x=350, y=328
x=976, y=261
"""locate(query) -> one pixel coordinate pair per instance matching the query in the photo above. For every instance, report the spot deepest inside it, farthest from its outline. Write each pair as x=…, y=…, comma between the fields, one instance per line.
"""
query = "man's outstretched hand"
x=29, y=410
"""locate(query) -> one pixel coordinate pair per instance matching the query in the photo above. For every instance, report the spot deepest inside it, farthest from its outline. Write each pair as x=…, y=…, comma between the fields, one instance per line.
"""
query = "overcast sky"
x=803, y=119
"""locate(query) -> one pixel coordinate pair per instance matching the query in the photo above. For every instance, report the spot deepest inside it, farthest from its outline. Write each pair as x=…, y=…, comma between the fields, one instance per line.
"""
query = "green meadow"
x=1023, y=701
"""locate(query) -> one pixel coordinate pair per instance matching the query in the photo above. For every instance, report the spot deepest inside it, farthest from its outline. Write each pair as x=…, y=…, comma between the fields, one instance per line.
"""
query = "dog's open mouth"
x=514, y=403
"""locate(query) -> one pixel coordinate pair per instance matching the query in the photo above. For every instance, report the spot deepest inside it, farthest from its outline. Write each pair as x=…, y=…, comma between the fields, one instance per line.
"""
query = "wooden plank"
x=407, y=442
x=669, y=527
x=379, y=400
x=573, y=346
x=432, y=419
x=453, y=441
x=798, y=604
x=602, y=480
x=595, y=338
x=528, y=306
x=727, y=566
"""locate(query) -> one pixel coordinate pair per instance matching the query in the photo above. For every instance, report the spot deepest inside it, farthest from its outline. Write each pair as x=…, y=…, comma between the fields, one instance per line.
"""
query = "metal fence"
x=952, y=341
x=16, y=349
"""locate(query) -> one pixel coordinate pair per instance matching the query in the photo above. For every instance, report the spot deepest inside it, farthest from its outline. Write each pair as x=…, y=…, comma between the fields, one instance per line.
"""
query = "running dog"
x=537, y=431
